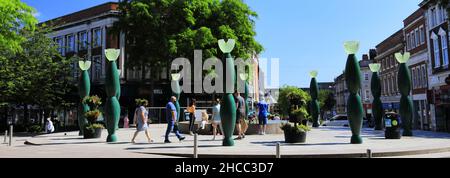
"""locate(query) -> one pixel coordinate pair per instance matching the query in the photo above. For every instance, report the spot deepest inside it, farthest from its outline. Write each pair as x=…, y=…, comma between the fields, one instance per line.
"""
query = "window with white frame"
x=408, y=43
x=98, y=67
x=443, y=15
x=366, y=76
x=97, y=37
x=414, y=78
x=437, y=60
x=424, y=76
x=417, y=37
x=413, y=40
x=70, y=43
x=367, y=95
x=444, y=43
x=82, y=40
x=433, y=18
x=422, y=35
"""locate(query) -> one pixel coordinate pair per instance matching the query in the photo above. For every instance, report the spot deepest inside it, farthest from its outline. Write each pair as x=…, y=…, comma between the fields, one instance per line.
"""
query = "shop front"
x=442, y=104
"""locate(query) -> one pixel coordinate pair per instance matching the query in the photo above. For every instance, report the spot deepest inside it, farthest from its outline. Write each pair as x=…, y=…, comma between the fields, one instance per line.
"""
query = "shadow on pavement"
x=274, y=143
x=170, y=147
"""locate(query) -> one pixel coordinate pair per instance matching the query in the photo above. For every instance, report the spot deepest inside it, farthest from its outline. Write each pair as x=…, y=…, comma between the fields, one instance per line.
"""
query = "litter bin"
x=392, y=124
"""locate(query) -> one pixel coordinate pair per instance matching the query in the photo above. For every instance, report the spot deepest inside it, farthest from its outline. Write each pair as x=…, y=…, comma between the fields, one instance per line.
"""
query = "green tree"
x=37, y=75
x=293, y=101
x=161, y=30
x=15, y=16
x=326, y=101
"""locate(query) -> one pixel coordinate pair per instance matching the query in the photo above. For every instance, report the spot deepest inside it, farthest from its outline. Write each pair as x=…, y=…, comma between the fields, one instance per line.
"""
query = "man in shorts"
x=241, y=124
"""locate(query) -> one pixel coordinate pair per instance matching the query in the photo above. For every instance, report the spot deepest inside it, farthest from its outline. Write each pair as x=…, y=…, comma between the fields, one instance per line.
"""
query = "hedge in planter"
x=112, y=107
x=296, y=133
x=404, y=85
x=92, y=129
x=377, y=105
x=84, y=87
x=228, y=107
x=353, y=81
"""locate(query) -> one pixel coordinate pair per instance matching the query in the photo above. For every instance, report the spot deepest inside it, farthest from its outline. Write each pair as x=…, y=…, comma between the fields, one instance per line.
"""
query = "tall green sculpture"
x=404, y=85
x=246, y=77
x=112, y=106
x=377, y=105
x=84, y=89
x=353, y=81
x=228, y=107
x=314, y=91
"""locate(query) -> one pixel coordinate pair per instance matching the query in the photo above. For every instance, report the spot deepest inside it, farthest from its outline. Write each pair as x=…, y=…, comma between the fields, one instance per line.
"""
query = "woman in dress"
x=141, y=119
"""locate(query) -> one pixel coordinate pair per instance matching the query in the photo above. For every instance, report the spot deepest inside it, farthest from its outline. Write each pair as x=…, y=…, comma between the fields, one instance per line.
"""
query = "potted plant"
x=296, y=132
x=93, y=129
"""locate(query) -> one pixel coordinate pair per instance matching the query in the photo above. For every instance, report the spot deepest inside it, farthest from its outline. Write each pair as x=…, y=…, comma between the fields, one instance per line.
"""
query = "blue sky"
x=304, y=34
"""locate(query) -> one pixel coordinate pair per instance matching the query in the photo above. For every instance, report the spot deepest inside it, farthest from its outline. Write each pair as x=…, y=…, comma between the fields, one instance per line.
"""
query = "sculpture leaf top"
x=176, y=76
x=244, y=76
x=375, y=67
x=351, y=47
x=112, y=54
x=227, y=47
x=84, y=65
x=313, y=73
x=402, y=58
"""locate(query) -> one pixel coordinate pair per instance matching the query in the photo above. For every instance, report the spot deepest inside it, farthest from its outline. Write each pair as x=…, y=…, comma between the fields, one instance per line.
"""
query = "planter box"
x=96, y=134
x=292, y=137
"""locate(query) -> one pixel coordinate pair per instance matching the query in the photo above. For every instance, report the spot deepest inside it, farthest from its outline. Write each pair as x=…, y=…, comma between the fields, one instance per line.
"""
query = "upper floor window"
x=422, y=35
x=59, y=42
x=433, y=18
x=82, y=40
x=437, y=57
x=444, y=44
x=70, y=43
x=408, y=44
x=97, y=37
x=424, y=76
x=417, y=37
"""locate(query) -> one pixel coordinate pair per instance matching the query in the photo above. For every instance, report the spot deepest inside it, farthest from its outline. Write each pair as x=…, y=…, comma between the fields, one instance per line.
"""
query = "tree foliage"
x=290, y=97
x=326, y=100
x=36, y=75
x=161, y=30
x=15, y=16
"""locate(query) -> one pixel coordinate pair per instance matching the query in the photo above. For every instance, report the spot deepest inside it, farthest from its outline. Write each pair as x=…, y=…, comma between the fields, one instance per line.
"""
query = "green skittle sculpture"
x=353, y=81
x=377, y=105
x=84, y=88
x=112, y=106
x=404, y=85
x=228, y=107
x=314, y=91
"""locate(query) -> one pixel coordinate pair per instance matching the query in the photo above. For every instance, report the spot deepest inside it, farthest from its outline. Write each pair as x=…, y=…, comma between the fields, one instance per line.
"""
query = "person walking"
x=49, y=127
x=241, y=124
x=191, y=111
x=141, y=119
x=263, y=112
x=216, y=120
x=171, y=117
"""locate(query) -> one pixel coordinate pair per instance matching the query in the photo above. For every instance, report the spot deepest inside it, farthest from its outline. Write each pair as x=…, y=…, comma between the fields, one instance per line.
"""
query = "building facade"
x=416, y=44
x=341, y=94
x=87, y=33
x=365, y=92
x=437, y=29
x=390, y=95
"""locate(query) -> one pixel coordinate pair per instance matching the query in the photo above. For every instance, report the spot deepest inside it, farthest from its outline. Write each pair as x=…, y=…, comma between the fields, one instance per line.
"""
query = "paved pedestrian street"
x=324, y=142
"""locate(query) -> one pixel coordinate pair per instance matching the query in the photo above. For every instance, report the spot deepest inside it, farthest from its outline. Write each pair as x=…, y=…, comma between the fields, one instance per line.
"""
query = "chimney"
x=372, y=54
x=365, y=57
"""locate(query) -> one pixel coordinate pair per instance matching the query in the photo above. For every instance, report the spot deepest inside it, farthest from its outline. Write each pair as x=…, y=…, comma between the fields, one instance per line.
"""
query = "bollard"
x=6, y=135
x=278, y=150
x=10, y=135
x=369, y=153
x=195, y=145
